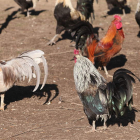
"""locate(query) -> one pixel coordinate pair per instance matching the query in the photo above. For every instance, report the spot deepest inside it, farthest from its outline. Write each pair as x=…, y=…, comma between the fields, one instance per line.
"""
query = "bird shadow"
x=33, y=12
x=116, y=10
x=17, y=93
x=138, y=35
x=8, y=19
x=115, y=62
x=128, y=117
x=65, y=35
x=8, y=8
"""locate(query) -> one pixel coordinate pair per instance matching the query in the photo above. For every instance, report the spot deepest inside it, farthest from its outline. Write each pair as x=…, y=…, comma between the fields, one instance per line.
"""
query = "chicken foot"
x=51, y=42
x=93, y=128
x=2, y=102
x=106, y=72
x=105, y=119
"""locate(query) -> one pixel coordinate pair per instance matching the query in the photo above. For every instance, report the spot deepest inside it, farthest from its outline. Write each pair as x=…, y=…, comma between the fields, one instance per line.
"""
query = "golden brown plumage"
x=107, y=47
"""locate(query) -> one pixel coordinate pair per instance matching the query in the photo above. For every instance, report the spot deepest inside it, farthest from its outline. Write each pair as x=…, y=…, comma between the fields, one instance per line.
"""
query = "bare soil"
x=28, y=115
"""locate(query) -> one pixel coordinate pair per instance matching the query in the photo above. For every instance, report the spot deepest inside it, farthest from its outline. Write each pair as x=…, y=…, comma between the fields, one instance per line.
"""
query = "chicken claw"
x=52, y=42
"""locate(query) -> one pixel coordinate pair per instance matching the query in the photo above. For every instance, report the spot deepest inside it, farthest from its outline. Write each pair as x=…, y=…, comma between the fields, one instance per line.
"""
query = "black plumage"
x=116, y=3
x=86, y=8
x=101, y=99
x=67, y=16
x=26, y=4
x=137, y=14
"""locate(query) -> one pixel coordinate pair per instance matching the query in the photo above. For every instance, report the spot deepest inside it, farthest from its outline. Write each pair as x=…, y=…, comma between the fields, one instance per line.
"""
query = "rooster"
x=137, y=13
x=101, y=99
x=67, y=16
x=26, y=4
x=117, y=3
x=19, y=68
x=107, y=47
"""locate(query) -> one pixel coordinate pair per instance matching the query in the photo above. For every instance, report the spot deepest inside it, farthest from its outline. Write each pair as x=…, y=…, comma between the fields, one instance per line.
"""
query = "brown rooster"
x=19, y=68
x=107, y=47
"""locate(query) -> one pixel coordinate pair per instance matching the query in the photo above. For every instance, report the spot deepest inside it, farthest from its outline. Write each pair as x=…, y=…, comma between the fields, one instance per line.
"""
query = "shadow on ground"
x=116, y=10
x=115, y=62
x=8, y=19
x=17, y=93
x=33, y=12
x=128, y=117
x=138, y=35
x=8, y=8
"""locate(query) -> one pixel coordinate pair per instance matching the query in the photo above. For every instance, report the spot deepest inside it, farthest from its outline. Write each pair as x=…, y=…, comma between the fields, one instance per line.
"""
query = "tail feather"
x=82, y=28
x=120, y=91
x=23, y=66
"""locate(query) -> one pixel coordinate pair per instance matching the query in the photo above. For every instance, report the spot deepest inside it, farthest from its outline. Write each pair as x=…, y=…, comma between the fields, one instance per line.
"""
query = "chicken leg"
x=123, y=12
x=51, y=42
x=2, y=102
x=93, y=128
x=106, y=72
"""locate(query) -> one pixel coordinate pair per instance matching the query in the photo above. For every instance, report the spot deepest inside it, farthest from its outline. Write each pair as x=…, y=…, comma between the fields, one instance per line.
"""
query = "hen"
x=26, y=4
x=107, y=47
x=99, y=98
x=67, y=16
x=19, y=68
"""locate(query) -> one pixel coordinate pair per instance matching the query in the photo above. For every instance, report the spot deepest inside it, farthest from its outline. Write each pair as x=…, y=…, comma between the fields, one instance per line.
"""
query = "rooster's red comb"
x=76, y=51
x=117, y=17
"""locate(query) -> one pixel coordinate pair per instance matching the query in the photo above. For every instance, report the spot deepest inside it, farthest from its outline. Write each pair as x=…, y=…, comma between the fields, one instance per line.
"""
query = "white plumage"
x=25, y=66
x=83, y=70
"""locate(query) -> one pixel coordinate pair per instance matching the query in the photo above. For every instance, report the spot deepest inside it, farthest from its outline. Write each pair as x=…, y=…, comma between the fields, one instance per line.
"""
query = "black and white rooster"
x=101, y=99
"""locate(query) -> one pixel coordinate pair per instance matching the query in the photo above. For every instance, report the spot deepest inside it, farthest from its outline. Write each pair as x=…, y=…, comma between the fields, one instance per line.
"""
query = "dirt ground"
x=27, y=115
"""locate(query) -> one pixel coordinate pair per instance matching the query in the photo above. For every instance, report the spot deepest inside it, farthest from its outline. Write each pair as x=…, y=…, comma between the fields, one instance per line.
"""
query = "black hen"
x=101, y=99
x=116, y=3
x=26, y=4
x=67, y=16
x=137, y=14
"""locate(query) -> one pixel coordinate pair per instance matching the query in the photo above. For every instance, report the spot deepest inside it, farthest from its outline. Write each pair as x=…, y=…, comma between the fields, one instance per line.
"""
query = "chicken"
x=88, y=12
x=137, y=13
x=67, y=16
x=99, y=98
x=117, y=3
x=107, y=47
x=19, y=68
x=26, y=4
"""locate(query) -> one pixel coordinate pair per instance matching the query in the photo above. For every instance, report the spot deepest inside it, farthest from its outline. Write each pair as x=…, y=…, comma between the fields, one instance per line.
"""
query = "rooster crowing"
x=101, y=99
x=107, y=47
x=19, y=68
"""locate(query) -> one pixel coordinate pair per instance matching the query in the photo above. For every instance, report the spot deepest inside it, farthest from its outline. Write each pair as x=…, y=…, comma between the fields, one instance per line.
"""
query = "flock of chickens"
x=100, y=99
